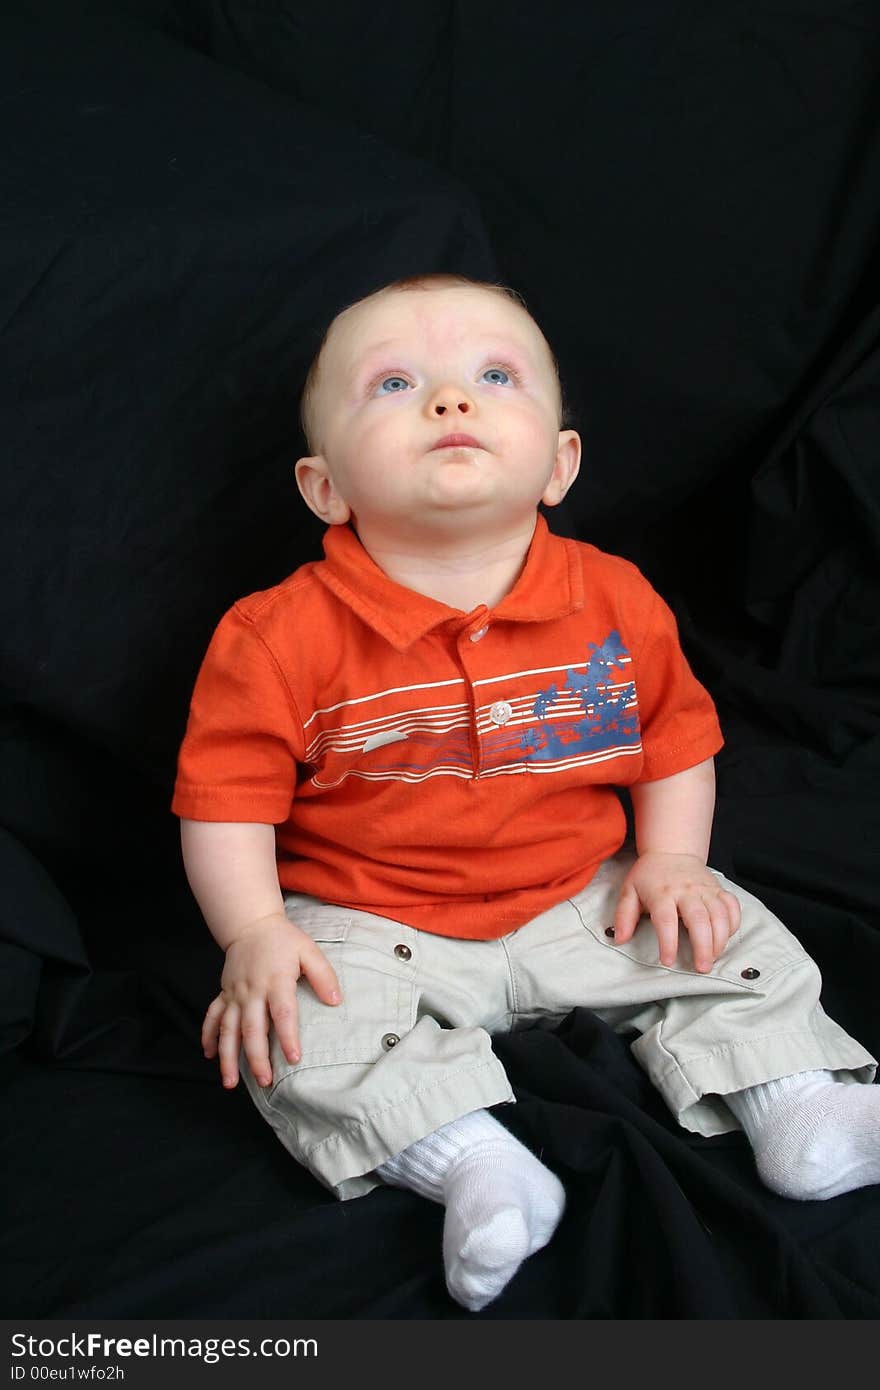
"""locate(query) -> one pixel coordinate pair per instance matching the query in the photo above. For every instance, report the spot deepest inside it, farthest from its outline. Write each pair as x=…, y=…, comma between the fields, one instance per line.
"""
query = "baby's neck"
x=461, y=574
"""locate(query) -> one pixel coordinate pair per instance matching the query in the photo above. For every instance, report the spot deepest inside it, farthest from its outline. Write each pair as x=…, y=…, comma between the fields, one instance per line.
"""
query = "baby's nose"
x=450, y=398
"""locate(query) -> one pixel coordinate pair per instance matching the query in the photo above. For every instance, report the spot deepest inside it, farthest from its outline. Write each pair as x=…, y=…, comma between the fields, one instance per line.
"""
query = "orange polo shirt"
x=455, y=771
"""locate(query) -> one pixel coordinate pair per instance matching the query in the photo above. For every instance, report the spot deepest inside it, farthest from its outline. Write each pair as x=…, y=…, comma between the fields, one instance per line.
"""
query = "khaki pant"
x=410, y=1048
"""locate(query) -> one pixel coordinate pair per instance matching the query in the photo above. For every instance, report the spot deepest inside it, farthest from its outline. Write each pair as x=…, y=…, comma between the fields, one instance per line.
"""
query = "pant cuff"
x=345, y=1161
x=694, y=1089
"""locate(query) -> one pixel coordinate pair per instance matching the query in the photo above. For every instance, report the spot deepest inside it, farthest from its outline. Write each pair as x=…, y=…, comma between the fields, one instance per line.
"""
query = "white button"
x=500, y=712
x=479, y=634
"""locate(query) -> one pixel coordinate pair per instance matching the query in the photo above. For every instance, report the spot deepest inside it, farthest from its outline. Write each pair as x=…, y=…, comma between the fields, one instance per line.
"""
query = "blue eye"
x=497, y=376
x=394, y=383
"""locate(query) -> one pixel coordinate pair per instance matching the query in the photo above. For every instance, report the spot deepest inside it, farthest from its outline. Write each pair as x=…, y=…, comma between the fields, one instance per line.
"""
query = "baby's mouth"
x=457, y=441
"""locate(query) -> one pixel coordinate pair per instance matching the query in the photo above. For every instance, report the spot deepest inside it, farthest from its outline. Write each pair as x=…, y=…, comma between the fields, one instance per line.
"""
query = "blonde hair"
x=439, y=280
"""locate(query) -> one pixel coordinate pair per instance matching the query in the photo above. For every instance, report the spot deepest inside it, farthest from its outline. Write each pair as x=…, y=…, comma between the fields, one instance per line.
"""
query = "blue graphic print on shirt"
x=609, y=717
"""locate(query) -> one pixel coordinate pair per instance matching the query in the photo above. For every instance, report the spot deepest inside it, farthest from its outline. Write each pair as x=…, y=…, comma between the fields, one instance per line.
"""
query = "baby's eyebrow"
x=365, y=362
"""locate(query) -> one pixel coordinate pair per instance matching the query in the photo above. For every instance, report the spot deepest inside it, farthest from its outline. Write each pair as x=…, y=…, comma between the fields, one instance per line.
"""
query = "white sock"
x=501, y=1203
x=813, y=1137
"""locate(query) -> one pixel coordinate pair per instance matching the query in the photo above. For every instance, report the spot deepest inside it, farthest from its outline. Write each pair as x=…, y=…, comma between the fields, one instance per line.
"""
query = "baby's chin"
x=478, y=511
x=459, y=484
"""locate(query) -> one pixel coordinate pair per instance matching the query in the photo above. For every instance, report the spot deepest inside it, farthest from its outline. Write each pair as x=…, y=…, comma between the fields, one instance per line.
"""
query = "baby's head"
x=400, y=375
x=310, y=403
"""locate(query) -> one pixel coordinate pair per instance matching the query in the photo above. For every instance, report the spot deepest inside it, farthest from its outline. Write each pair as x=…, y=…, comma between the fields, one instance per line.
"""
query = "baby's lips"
x=457, y=440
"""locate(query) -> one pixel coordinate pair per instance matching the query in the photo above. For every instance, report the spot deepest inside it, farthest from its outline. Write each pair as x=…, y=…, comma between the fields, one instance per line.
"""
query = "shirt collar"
x=550, y=586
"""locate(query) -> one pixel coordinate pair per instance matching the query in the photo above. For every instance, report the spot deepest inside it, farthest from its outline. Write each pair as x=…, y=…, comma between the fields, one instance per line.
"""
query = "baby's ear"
x=565, y=469
x=319, y=491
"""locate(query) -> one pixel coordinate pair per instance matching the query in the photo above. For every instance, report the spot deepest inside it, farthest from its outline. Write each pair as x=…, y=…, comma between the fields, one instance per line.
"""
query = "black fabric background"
x=688, y=197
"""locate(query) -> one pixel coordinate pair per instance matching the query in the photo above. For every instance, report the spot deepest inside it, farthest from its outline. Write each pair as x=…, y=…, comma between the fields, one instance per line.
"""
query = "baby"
x=400, y=816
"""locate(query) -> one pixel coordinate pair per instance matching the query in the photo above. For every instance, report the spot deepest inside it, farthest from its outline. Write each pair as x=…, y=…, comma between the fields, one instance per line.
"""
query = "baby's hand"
x=667, y=887
x=258, y=983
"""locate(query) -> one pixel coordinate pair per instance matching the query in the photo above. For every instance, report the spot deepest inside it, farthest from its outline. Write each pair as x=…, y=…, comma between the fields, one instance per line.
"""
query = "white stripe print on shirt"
x=379, y=740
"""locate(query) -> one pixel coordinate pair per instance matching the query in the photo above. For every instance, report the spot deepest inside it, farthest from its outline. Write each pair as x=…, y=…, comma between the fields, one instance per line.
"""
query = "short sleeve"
x=243, y=737
x=679, y=724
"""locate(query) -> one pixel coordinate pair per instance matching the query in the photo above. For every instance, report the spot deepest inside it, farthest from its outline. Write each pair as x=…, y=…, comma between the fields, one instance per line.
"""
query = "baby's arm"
x=669, y=880
x=232, y=872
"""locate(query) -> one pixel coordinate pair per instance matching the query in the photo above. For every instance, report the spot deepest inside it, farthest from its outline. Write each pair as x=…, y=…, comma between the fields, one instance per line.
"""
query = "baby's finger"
x=665, y=919
x=254, y=1038
x=320, y=974
x=282, y=1007
x=734, y=911
x=627, y=914
x=230, y=1045
x=211, y=1026
x=722, y=927
x=699, y=926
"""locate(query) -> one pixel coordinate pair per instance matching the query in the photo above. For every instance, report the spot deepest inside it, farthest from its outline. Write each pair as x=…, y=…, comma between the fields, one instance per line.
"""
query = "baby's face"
x=436, y=408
